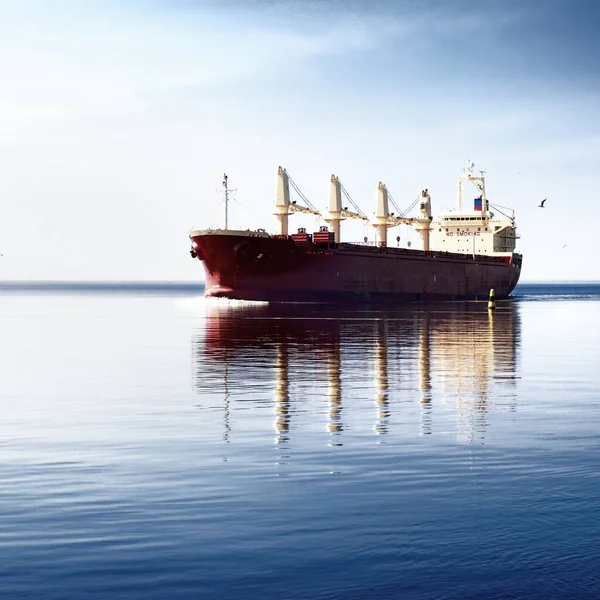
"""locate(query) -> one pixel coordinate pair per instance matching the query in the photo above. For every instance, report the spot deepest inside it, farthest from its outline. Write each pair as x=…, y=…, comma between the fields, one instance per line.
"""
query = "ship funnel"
x=282, y=202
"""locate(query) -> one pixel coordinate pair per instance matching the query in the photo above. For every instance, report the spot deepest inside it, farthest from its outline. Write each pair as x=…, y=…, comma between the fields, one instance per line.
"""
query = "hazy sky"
x=118, y=119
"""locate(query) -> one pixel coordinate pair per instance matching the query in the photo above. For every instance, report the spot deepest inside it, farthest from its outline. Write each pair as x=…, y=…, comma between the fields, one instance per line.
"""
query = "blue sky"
x=118, y=118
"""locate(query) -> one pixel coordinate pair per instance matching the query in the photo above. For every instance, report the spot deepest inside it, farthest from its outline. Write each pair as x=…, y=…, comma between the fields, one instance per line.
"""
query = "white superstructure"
x=475, y=231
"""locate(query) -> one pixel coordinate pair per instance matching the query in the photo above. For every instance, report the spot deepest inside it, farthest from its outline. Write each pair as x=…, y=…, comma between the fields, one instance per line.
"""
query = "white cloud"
x=70, y=60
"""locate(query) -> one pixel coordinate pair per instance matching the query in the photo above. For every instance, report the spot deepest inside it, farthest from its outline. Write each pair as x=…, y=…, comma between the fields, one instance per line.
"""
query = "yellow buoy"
x=492, y=300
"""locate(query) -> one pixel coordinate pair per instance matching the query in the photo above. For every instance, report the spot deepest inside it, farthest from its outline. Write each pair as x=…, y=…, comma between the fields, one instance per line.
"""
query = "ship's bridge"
x=473, y=233
x=455, y=217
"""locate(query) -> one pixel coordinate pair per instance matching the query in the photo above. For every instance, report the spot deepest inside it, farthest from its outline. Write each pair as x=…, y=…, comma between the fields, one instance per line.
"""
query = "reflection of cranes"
x=381, y=377
x=470, y=349
x=282, y=394
x=463, y=350
x=334, y=390
x=462, y=360
x=425, y=375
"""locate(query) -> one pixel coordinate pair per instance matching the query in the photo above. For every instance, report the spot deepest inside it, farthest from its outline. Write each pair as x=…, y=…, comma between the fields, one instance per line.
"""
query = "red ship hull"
x=276, y=269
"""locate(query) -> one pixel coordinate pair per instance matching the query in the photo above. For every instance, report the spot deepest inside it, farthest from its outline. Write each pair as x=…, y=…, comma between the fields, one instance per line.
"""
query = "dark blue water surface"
x=155, y=444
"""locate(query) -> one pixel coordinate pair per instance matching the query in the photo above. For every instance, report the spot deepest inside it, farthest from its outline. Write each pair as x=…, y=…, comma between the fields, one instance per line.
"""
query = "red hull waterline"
x=259, y=267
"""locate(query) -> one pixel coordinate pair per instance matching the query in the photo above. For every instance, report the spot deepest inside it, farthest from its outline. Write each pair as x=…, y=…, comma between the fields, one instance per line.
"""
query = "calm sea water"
x=157, y=445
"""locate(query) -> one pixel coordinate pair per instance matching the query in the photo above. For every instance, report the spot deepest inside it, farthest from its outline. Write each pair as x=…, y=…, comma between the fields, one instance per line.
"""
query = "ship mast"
x=478, y=182
x=226, y=199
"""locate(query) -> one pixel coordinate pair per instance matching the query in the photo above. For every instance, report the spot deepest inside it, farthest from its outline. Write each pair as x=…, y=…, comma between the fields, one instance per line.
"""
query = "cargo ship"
x=464, y=254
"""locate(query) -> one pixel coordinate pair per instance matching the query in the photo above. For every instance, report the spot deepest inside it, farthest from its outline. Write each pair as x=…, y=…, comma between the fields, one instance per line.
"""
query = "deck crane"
x=284, y=207
x=383, y=219
x=337, y=213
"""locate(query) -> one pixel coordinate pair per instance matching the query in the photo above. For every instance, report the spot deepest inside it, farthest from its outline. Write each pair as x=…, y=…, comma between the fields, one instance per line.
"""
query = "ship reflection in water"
x=355, y=373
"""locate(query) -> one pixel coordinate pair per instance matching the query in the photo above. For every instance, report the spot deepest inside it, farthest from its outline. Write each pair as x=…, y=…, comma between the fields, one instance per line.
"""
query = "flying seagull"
x=541, y=205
